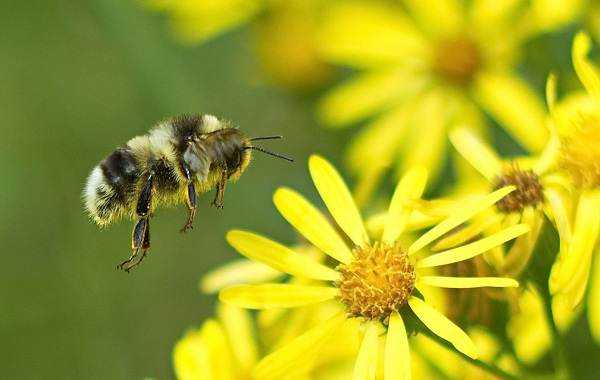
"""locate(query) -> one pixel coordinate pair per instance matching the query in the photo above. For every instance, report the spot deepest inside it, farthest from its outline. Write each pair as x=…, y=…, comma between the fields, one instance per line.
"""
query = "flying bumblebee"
x=177, y=160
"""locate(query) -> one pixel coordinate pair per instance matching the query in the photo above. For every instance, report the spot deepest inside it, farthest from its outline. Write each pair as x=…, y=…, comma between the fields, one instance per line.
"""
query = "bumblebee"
x=177, y=160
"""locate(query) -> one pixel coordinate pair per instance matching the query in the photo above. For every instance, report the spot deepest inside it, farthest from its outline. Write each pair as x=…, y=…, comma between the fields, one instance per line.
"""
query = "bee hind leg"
x=140, y=237
x=191, y=204
x=140, y=241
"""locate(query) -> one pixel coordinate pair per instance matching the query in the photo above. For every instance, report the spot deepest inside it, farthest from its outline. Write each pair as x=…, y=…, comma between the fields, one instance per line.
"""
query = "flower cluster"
x=479, y=261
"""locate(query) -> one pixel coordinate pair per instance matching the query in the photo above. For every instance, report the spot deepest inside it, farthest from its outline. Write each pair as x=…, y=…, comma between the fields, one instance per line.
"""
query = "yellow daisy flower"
x=577, y=126
x=537, y=190
x=374, y=281
x=427, y=65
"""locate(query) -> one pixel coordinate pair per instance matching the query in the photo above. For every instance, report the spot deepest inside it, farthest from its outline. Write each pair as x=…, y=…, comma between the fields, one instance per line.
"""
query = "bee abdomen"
x=110, y=186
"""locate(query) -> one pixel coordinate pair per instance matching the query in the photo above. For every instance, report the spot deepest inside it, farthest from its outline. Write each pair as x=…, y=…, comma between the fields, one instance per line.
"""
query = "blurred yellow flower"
x=284, y=33
x=373, y=281
x=223, y=348
x=426, y=66
x=577, y=125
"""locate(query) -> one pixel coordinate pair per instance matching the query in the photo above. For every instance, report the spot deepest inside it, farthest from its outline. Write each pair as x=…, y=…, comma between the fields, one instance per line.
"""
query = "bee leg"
x=191, y=199
x=141, y=231
x=145, y=246
x=219, y=200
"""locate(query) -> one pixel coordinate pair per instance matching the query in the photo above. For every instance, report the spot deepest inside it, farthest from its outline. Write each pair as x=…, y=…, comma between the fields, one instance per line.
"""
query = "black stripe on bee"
x=120, y=172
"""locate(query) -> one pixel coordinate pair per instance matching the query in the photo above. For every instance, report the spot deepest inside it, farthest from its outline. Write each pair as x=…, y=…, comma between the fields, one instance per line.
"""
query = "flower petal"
x=427, y=146
x=269, y=296
x=479, y=155
x=473, y=249
x=585, y=233
x=238, y=326
x=217, y=345
x=365, y=367
x=337, y=198
x=367, y=95
x=468, y=232
x=468, y=282
x=311, y=223
x=410, y=187
x=443, y=327
x=278, y=256
x=593, y=311
x=278, y=364
x=397, y=354
x=369, y=34
x=586, y=71
x=514, y=104
x=191, y=359
x=557, y=204
x=459, y=217
x=242, y=271
x=437, y=17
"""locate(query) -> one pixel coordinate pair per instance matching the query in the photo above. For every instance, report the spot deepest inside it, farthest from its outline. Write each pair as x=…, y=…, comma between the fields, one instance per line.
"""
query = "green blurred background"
x=77, y=79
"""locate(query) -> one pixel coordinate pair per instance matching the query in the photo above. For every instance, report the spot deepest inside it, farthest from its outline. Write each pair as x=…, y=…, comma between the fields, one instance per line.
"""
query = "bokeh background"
x=77, y=79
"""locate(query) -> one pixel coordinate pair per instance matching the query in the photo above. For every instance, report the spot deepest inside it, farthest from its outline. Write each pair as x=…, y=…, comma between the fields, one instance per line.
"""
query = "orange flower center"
x=457, y=60
x=528, y=192
x=377, y=282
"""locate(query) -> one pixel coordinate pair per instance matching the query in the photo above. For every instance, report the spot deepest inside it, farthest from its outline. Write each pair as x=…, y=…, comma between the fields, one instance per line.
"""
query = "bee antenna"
x=269, y=153
x=277, y=137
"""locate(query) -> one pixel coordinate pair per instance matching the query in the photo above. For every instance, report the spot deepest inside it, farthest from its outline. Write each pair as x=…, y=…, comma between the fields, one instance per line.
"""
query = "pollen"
x=529, y=191
x=377, y=282
x=457, y=60
x=580, y=152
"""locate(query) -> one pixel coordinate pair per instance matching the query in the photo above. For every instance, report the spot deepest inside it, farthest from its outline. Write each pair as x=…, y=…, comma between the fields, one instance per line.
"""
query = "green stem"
x=559, y=357
x=488, y=367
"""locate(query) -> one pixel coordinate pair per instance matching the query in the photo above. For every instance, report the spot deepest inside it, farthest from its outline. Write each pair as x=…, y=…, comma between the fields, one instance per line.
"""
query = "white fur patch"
x=210, y=124
x=94, y=181
x=161, y=139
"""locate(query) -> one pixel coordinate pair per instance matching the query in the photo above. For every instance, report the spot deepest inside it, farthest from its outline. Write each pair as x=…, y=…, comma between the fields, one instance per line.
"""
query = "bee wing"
x=197, y=160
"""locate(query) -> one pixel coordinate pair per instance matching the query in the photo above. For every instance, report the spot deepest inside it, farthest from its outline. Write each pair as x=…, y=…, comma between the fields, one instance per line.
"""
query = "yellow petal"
x=191, y=360
x=468, y=282
x=594, y=300
x=238, y=326
x=337, y=198
x=365, y=367
x=217, y=345
x=410, y=187
x=437, y=17
x=197, y=21
x=367, y=95
x=269, y=296
x=583, y=240
x=240, y=271
x=427, y=146
x=522, y=248
x=516, y=106
x=443, y=327
x=559, y=214
x=459, y=217
x=278, y=256
x=369, y=34
x=473, y=249
x=468, y=232
x=277, y=364
x=311, y=223
x=397, y=354
x=387, y=133
x=479, y=155
x=587, y=72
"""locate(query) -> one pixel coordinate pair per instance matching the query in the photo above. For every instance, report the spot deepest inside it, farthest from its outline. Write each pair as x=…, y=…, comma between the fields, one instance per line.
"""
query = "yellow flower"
x=538, y=189
x=374, y=281
x=223, y=348
x=577, y=126
x=284, y=33
x=427, y=66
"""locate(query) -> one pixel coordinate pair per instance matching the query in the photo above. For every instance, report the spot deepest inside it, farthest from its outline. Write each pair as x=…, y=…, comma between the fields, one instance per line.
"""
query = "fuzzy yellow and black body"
x=178, y=159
